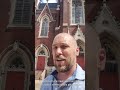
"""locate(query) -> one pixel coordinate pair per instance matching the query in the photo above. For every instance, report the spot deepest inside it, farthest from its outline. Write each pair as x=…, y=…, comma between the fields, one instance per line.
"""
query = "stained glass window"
x=45, y=27
x=77, y=12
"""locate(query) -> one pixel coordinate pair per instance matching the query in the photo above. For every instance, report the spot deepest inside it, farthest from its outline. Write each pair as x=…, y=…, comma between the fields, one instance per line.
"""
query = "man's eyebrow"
x=54, y=44
x=60, y=44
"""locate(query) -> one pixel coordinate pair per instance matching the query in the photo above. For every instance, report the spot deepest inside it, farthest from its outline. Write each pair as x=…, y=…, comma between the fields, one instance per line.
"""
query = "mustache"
x=60, y=58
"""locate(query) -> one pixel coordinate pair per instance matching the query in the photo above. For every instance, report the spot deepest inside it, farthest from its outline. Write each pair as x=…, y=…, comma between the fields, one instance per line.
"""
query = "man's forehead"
x=61, y=40
x=63, y=37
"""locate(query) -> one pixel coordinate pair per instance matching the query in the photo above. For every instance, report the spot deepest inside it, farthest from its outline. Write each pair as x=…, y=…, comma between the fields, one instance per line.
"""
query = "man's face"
x=64, y=53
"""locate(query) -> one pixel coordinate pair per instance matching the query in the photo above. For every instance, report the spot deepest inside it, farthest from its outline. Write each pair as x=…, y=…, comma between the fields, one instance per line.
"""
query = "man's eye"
x=54, y=47
x=64, y=47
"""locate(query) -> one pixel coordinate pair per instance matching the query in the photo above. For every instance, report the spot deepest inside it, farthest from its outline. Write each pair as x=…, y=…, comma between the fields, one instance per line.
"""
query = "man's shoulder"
x=50, y=76
x=46, y=84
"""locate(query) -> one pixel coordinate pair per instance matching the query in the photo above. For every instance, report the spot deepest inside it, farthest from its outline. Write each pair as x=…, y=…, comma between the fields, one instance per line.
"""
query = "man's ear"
x=77, y=51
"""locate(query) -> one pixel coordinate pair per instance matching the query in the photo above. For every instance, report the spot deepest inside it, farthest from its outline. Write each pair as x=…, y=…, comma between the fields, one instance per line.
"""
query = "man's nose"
x=58, y=51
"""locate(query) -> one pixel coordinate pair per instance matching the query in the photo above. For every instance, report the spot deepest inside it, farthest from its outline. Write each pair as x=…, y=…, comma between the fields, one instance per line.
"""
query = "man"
x=68, y=74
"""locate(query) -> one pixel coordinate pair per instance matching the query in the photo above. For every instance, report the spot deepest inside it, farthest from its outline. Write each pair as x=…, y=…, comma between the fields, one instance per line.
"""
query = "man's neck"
x=62, y=76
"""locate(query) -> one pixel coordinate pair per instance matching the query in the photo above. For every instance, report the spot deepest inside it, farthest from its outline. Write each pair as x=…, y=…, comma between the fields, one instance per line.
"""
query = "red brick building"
x=17, y=45
x=51, y=19
x=102, y=31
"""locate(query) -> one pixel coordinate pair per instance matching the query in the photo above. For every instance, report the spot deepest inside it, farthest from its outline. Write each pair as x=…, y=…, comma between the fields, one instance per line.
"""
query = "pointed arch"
x=109, y=43
x=41, y=57
x=16, y=58
x=112, y=48
x=44, y=26
x=77, y=12
x=44, y=48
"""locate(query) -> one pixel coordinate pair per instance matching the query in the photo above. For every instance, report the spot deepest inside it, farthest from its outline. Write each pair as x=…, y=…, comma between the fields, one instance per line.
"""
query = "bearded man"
x=68, y=74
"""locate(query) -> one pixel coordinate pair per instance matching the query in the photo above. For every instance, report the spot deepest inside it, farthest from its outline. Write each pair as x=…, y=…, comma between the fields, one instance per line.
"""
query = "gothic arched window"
x=21, y=13
x=44, y=27
x=77, y=12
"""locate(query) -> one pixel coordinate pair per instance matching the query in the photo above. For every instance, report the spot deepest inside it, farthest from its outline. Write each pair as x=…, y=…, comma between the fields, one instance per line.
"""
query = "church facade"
x=94, y=25
x=52, y=18
x=17, y=45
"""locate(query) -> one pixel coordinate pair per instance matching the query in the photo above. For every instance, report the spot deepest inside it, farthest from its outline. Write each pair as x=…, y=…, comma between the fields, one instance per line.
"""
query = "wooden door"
x=15, y=80
x=41, y=63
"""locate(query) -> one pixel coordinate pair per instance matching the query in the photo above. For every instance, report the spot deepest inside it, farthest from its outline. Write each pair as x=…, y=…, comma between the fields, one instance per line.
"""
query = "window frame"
x=12, y=15
x=83, y=14
x=40, y=27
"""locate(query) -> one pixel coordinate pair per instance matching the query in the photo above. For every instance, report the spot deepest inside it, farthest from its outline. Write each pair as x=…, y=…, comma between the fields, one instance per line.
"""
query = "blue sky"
x=50, y=1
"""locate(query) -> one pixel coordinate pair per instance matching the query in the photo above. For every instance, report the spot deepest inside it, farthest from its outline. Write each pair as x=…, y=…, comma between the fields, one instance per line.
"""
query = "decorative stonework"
x=16, y=63
x=105, y=21
x=15, y=58
x=80, y=39
x=79, y=34
x=43, y=12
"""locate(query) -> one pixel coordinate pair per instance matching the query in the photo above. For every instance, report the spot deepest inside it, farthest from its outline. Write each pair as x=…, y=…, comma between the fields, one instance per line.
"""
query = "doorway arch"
x=16, y=65
x=112, y=69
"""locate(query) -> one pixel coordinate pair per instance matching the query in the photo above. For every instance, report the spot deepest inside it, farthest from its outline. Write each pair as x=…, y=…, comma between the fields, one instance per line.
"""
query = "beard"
x=68, y=64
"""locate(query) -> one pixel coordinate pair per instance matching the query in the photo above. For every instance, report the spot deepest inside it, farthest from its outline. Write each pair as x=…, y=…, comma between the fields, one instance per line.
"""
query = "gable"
x=45, y=11
x=104, y=20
